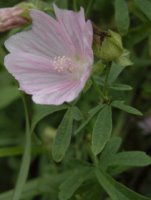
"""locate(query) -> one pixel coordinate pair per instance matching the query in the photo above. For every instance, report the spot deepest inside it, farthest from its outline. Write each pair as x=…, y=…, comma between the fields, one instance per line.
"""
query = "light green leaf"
x=102, y=129
x=8, y=95
x=72, y=183
x=122, y=16
x=130, y=158
x=145, y=7
x=63, y=137
x=120, y=87
x=124, y=59
x=116, y=190
x=92, y=113
x=120, y=105
x=42, y=111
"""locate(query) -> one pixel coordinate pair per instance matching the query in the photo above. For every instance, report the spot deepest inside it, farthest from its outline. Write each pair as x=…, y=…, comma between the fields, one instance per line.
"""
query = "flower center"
x=63, y=63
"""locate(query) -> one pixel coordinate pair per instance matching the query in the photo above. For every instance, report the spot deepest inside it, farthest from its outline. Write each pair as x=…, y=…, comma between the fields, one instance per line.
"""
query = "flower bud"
x=14, y=17
x=110, y=48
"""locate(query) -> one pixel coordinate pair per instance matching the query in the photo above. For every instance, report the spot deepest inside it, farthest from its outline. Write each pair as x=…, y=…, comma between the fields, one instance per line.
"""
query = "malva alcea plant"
x=63, y=60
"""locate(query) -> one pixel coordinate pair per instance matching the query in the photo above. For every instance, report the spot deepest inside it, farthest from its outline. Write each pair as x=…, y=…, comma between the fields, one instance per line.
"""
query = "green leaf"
x=120, y=105
x=116, y=190
x=115, y=72
x=92, y=113
x=120, y=87
x=42, y=111
x=110, y=149
x=139, y=33
x=31, y=189
x=77, y=114
x=102, y=129
x=145, y=7
x=122, y=16
x=63, y=137
x=130, y=158
x=72, y=183
x=8, y=95
x=124, y=59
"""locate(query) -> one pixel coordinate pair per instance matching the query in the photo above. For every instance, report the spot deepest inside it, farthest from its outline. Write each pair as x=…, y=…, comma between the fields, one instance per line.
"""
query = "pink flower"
x=53, y=61
x=10, y=18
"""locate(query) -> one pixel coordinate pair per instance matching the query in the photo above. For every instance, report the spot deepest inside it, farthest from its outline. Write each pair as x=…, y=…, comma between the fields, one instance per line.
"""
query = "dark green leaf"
x=102, y=129
x=120, y=87
x=122, y=16
x=145, y=7
x=130, y=158
x=63, y=137
x=116, y=190
x=72, y=183
x=42, y=111
x=120, y=105
x=92, y=113
x=77, y=114
x=110, y=149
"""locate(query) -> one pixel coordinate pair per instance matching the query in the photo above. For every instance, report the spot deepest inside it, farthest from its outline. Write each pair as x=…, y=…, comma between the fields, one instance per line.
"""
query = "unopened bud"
x=10, y=18
x=110, y=47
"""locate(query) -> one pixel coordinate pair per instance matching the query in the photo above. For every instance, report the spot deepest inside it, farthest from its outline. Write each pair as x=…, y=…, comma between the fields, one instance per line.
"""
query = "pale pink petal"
x=37, y=77
x=79, y=31
x=46, y=38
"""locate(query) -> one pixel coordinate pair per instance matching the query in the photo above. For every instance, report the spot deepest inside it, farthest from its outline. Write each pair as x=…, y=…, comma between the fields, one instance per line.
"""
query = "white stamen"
x=63, y=64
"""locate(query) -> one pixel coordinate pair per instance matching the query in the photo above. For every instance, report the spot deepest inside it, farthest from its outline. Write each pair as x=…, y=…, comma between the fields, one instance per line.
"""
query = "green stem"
x=18, y=150
x=105, y=88
x=25, y=164
x=92, y=156
x=96, y=87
